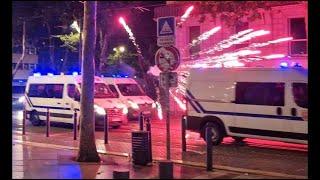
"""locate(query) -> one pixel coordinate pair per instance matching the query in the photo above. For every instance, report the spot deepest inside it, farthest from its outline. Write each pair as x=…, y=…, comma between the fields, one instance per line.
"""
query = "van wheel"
x=34, y=118
x=237, y=139
x=217, y=133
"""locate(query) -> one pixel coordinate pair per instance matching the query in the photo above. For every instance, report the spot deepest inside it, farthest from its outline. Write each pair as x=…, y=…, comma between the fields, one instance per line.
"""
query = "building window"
x=194, y=33
x=241, y=26
x=26, y=66
x=257, y=93
x=14, y=65
x=297, y=30
x=32, y=66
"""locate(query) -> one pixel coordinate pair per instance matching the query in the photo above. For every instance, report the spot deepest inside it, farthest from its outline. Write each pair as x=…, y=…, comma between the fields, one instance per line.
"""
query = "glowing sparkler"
x=131, y=37
x=186, y=14
x=205, y=35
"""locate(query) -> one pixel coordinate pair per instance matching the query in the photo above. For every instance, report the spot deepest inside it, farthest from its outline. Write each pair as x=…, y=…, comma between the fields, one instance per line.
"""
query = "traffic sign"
x=166, y=41
x=166, y=26
x=167, y=58
x=169, y=79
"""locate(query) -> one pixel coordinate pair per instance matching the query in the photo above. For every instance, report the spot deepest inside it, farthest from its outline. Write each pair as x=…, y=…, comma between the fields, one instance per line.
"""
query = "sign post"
x=167, y=59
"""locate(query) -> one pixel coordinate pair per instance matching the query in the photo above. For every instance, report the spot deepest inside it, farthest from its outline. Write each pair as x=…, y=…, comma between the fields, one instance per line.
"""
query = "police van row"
x=118, y=99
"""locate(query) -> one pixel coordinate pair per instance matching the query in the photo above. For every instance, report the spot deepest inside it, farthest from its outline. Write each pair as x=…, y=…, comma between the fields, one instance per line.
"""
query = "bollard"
x=209, y=148
x=141, y=119
x=166, y=169
x=75, y=125
x=183, y=133
x=48, y=123
x=106, y=130
x=24, y=121
x=148, y=124
x=118, y=174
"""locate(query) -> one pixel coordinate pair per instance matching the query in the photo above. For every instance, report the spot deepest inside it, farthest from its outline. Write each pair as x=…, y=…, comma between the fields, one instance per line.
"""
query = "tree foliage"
x=70, y=41
x=231, y=12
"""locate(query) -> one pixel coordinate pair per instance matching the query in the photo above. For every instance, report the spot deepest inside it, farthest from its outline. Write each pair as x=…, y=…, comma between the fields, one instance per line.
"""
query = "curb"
x=188, y=163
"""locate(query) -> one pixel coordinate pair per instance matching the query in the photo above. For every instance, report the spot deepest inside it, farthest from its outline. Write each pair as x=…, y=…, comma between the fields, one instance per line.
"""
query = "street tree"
x=233, y=12
x=87, y=146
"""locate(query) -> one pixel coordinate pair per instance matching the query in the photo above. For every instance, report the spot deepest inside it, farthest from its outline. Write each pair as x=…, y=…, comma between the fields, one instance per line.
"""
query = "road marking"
x=196, y=164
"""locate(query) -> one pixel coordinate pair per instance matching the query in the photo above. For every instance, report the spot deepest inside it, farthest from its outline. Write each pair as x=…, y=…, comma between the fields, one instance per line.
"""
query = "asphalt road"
x=254, y=154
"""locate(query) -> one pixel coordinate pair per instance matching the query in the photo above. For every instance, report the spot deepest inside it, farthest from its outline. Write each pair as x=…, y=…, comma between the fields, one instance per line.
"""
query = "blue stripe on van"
x=193, y=106
x=243, y=114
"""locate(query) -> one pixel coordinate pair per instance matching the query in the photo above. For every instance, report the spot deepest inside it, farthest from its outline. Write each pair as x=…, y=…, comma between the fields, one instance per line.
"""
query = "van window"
x=257, y=93
x=300, y=94
x=46, y=90
x=73, y=91
x=101, y=90
x=130, y=90
x=114, y=90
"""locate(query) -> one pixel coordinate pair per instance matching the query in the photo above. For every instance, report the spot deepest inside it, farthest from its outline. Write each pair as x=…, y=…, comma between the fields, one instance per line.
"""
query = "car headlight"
x=21, y=99
x=133, y=105
x=125, y=110
x=154, y=105
x=99, y=110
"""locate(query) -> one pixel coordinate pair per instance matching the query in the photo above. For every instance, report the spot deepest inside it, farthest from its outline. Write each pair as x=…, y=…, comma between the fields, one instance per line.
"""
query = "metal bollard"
x=166, y=169
x=24, y=121
x=183, y=133
x=141, y=119
x=48, y=123
x=148, y=125
x=209, y=148
x=117, y=174
x=75, y=125
x=106, y=130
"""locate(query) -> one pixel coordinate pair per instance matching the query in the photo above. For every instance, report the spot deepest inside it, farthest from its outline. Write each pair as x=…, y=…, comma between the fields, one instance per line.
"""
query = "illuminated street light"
x=75, y=26
x=114, y=49
x=122, y=49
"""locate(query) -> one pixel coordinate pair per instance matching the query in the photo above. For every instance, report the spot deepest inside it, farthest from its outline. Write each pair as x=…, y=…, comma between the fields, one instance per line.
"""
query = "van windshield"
x=101, y=90
x=130, y=90
x=300, y=94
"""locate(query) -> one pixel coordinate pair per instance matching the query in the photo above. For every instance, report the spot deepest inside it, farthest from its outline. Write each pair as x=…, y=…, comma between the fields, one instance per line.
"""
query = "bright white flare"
x=205, y=35
x=131, y=37
x=186, y=14
x=274, y=56
x=179, y=102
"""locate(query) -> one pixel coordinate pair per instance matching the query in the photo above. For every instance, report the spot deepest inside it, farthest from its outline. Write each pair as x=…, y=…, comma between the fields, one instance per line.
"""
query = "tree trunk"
x=104, y=50
x=23, y=49
x=87, y=146
x=51, y=47
x=65, y=61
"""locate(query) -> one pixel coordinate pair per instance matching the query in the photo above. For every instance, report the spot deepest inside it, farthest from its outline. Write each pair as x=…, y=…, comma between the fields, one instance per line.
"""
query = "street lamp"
x=122, y=49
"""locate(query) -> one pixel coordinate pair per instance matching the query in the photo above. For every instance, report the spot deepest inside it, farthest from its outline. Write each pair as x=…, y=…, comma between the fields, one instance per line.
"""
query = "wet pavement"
x=256, y=157
x=43, y=163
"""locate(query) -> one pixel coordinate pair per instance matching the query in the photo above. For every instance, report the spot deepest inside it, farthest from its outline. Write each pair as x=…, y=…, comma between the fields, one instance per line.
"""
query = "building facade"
x=25, y=69
x=282, y=21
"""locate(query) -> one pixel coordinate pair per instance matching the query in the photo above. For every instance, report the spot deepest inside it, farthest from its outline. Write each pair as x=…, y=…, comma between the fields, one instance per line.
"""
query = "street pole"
x=167, y=100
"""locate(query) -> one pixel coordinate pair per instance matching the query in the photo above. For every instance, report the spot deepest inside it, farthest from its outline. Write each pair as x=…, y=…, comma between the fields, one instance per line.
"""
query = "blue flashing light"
x=36, y=74
x=50, y=74
x=113, y=75
x=126, y=76
x=75, y=73
x=283, y=64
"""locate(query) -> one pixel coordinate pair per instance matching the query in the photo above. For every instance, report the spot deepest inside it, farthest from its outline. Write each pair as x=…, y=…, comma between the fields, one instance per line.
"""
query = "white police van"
x=132, y=95
x=249, y=102
x=61, y=94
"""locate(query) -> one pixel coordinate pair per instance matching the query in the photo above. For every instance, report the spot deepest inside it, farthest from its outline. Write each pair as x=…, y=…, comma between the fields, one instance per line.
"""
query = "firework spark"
x=131, y=36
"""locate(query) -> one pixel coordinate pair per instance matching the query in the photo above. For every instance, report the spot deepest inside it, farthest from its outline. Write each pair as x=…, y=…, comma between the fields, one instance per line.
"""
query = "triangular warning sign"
x=166, y=29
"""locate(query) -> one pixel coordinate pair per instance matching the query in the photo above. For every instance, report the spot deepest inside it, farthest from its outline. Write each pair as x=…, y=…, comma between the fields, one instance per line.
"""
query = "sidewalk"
x=31, y=161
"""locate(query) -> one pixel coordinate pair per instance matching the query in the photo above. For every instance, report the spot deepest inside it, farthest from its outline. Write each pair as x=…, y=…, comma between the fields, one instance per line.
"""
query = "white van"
x=132, y=95
x=61, y=94
x=249, y=102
